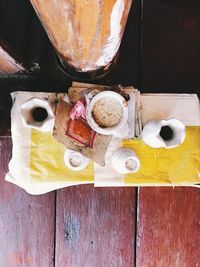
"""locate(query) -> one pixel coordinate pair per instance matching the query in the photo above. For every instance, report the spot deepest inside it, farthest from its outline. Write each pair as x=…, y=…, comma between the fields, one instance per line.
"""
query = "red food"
x=80, y=131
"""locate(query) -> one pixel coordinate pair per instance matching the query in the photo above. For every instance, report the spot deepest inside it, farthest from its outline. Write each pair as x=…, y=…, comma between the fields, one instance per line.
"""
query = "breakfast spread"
x=54, y=155
x=90, y=119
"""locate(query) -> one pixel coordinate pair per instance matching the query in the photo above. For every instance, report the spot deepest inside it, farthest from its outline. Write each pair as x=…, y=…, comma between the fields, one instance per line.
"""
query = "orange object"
x=80, y=131
x=86, y=34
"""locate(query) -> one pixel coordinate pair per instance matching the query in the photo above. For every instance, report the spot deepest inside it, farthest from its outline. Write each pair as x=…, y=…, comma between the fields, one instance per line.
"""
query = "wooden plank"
x=168, y=231
x=95, y=227
x=26, y=222
x=170, y=46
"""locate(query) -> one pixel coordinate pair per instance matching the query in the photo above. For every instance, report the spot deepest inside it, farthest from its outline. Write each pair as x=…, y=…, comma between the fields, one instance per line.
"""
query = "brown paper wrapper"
x=94, y=149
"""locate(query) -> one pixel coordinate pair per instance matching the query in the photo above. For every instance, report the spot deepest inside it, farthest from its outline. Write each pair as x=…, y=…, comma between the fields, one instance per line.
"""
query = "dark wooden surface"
x=26, y=222
x=97, y=229
x=83, y=226
x=168, y=232
x=170, y=46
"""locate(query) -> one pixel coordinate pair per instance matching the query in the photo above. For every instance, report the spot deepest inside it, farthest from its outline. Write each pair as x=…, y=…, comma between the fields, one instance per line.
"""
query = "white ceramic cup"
x=90, y=105
x=75, y=160
x=151, y=134
x=45, y=123
x=125, y=160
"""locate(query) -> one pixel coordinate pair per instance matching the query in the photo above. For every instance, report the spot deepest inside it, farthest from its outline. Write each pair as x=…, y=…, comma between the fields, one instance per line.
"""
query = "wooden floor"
x=83, y=226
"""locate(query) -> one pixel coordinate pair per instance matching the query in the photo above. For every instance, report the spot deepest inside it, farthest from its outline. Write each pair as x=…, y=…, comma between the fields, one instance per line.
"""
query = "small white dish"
x=108, y=130
x=75, y=160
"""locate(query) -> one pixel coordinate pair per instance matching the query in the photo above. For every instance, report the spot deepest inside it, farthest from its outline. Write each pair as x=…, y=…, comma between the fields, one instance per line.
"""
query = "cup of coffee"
x=36, y=113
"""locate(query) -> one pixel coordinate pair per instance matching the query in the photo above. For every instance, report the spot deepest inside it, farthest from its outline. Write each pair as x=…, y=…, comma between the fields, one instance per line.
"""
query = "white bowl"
x=108, y=130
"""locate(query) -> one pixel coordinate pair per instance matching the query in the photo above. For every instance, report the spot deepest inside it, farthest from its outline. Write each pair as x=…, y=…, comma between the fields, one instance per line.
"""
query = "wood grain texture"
x=168, y=233
x=170, y=46
x=26, y=222
x=95, y=227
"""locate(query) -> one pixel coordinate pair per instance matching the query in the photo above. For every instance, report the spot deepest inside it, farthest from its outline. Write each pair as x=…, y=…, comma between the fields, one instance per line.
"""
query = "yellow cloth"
x=47, y=161
x=180, y=165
